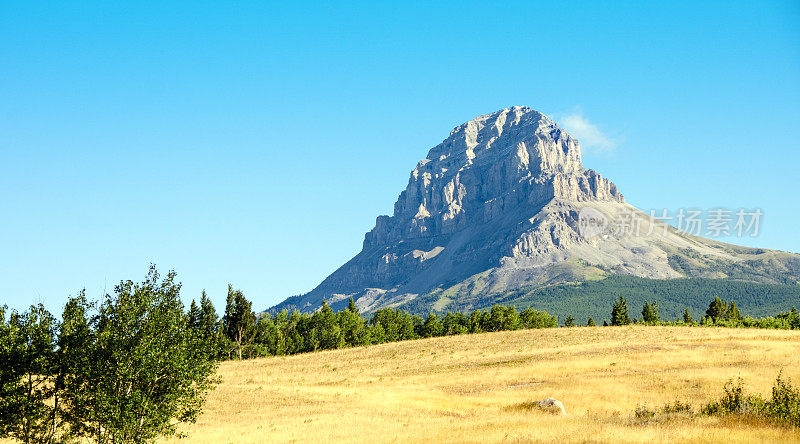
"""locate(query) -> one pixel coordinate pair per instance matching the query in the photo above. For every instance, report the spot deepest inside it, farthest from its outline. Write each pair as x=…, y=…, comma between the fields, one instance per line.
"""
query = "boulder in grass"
x=551, y=405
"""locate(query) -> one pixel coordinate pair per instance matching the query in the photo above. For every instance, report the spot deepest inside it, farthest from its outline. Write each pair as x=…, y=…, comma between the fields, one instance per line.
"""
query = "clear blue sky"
x=255, y=143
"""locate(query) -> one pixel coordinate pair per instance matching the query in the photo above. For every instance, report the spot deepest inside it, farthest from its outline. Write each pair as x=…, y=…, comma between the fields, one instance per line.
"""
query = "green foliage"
x=677, y=407
x=531, y=318
x=717, y=309
x=76, y=340
x=722, y=312
x=146, y=369
x=590, y=322
x=650, y=313
x=432, y=326
x=27, y=376
x=687, y=318
x=783, y=407
x=130, y=373
x=646, y=415
x=732, y=313
x=286, y=333
x=238, y=323
x=619, y=312
x=569, y=322
x=785, y=403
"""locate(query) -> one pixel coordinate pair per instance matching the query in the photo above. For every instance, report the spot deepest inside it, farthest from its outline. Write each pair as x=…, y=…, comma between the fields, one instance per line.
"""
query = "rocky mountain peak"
x=497, y=207
x=510, y=158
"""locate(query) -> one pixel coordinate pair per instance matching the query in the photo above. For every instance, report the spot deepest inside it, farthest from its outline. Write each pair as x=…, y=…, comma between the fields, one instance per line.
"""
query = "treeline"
x=240, y=333
x=719, y=314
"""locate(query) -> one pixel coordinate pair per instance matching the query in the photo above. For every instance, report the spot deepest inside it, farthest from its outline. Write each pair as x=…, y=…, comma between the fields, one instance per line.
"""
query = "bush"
x=783, y=407
x=677, y=407
x=785, y=403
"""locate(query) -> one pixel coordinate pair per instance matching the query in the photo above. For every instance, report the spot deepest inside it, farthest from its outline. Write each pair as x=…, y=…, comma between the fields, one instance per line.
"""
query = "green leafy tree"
x=325, y=328
x=569, y=322
x=619, y=312
x=146, y=371
x=590, y=323
x=78, y=371
x=353, y=327
x=432, y=326
x=454, y=323
x=27, y=376
x=531, y=318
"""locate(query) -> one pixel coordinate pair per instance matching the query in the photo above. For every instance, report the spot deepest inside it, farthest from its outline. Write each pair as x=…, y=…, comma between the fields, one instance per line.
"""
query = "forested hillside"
x=593, y=298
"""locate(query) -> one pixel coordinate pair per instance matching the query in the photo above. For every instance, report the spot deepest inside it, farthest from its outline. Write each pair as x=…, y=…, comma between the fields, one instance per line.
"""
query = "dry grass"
x=474, y=388
x=470, y=388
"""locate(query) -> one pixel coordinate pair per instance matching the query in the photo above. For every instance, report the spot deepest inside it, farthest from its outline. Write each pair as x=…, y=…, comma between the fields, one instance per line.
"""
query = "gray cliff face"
x=511, y=159
x=495, y=207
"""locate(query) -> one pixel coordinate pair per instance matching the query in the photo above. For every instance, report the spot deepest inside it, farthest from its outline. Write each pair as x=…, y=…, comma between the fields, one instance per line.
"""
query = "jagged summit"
x=494, y=207
x=495, y=162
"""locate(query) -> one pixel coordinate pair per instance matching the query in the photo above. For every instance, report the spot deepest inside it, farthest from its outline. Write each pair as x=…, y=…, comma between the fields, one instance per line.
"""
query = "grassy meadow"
x=473, y=388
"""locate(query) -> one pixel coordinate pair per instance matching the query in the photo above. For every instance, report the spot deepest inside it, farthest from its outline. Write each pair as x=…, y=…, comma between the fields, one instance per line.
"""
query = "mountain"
x=504, y=203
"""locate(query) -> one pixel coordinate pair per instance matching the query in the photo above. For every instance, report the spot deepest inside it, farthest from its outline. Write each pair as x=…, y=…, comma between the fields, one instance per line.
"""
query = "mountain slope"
x=498, y=205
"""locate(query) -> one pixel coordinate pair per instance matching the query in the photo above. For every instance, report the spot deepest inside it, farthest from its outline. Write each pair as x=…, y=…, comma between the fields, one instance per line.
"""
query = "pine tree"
x=590, y=322
x=569, y=322
x=619, y=313
x=605, y=323
x=650, y=313
x=687, y=318
x=239, y=321
x=732, y=313
x=208, y=325
x=351, y=306
x=716, y=310
x=194, y=315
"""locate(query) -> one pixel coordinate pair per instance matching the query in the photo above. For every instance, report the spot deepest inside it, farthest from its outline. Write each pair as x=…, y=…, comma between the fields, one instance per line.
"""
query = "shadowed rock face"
x=493, y=207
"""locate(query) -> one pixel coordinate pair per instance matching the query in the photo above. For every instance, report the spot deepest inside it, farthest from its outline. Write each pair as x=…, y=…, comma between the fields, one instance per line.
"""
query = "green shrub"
x=783, y=407
x=677, y=407
x=785, y=403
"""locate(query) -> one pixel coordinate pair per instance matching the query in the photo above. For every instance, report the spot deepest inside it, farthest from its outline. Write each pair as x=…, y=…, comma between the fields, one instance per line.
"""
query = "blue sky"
x=255, y=143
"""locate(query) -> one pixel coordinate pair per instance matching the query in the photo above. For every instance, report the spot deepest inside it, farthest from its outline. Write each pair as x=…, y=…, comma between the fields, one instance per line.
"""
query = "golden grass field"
x=469, y=388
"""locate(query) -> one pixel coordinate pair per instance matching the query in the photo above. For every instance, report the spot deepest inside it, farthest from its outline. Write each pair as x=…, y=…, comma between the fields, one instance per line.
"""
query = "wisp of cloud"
x=587, y=133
